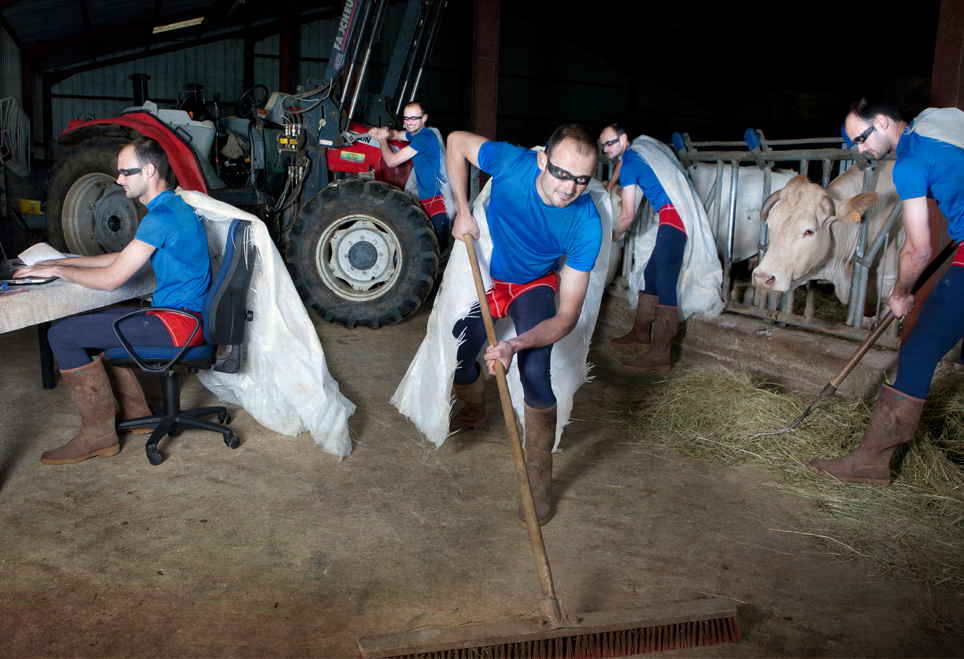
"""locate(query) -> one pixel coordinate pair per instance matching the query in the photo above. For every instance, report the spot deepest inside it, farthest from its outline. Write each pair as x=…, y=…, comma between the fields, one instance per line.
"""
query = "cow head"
x=806, y=228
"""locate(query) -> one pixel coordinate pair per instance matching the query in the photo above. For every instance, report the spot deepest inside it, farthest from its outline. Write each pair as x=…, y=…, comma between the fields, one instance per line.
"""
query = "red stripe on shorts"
x=433, y=206
x=503, y=293
x=959, y=256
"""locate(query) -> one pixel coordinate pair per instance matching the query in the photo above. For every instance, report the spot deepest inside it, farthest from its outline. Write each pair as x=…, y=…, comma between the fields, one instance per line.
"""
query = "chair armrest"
x=130, y=349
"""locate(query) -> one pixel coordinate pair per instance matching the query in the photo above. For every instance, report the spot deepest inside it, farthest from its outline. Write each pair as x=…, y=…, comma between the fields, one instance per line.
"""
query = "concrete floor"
x=278, y=550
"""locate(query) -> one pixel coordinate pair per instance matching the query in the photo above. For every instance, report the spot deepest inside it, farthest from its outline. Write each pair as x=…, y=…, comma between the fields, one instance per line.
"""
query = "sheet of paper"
x=41, y=252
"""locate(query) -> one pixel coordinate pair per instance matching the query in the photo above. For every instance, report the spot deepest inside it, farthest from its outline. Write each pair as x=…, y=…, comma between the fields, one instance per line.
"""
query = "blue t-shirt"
x=635, y=171
x=426, y=162
x=927, y=167
x=181, y=262
x=529, y=236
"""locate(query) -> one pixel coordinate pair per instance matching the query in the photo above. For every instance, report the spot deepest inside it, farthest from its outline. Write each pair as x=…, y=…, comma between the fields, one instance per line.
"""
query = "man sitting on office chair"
x=172, y=237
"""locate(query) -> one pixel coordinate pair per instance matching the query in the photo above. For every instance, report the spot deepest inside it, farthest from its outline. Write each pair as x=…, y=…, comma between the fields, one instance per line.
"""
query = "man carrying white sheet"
x=536, y=215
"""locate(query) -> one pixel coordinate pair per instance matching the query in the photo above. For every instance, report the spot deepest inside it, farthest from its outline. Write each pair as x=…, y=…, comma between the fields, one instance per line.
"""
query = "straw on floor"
x=913, y=529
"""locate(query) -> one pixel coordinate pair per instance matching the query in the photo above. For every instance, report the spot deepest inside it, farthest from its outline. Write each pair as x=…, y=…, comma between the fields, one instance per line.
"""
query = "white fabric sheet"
x=699, y=288
x=425, y=393
x=284, y=383
x=944, y=124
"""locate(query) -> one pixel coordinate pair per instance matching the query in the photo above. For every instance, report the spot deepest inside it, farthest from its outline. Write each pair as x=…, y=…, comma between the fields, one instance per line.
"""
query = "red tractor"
x=360, y=250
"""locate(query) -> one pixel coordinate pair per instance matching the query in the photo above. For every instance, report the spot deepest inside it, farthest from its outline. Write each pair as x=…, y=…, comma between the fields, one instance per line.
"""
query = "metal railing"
x=828, y=160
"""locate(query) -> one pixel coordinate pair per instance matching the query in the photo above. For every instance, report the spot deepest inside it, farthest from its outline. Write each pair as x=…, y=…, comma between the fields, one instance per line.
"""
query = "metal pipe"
x=372, y=36
x=435, y=21
x=860, y=271
x=810, y=324
x=730, y=228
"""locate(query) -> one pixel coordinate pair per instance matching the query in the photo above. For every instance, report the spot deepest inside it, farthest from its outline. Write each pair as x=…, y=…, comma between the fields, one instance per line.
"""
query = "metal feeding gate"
x=821, y=159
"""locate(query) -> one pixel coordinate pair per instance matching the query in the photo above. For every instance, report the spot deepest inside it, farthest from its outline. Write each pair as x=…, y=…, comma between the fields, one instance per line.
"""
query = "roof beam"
x=41, y=49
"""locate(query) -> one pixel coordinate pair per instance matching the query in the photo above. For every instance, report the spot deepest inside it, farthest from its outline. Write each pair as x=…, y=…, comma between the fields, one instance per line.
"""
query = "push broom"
x=597, y=634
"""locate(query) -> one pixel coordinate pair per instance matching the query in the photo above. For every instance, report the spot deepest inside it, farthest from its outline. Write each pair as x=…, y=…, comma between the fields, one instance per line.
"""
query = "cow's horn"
x=768, y=204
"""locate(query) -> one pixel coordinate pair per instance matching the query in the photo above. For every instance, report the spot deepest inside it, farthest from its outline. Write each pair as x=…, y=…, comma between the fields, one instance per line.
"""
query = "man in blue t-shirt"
x=656, y=321
x=537, y=214
x=926, y=167
x=172, y=237
x=427, y=155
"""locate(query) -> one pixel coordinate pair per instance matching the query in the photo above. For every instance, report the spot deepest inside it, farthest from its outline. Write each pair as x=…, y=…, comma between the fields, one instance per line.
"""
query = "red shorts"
x=180, y=327
x=502, y=293
x=433, y=206
x=668, y=215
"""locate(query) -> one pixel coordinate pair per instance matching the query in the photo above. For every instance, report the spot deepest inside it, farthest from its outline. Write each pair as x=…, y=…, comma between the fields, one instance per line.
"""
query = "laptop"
x=8, y=273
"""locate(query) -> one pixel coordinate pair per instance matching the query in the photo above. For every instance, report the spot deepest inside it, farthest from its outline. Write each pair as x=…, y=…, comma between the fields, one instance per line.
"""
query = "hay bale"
x=913, y=529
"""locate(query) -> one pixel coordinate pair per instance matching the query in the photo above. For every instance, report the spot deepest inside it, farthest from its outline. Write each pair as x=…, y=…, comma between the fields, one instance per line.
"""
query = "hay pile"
x=913, y=529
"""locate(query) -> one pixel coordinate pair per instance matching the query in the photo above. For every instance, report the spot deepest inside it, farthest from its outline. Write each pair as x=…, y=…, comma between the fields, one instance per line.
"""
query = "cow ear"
x=852, y=209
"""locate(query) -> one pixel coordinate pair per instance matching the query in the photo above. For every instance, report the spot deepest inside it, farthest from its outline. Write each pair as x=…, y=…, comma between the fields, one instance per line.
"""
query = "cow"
x=813, y=234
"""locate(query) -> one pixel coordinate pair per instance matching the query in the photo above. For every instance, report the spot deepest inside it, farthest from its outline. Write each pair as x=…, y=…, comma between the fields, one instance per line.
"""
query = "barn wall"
x=10, y=82
x=533, y=98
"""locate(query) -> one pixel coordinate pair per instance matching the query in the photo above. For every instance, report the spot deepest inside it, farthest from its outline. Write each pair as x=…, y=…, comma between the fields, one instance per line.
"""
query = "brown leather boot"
x=472, y=414
x=639, y=335
x=90, y=390
x=540, y=438
x=893, y=423
x=128, y=392
x=664, y=330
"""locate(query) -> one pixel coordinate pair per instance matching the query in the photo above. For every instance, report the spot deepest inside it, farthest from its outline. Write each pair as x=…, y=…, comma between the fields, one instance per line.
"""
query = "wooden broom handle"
x=550, y=603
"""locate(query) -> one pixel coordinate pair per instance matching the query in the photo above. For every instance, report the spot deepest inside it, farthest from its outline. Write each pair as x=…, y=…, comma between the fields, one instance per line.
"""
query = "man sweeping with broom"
x=930, y=163
x=536, y=215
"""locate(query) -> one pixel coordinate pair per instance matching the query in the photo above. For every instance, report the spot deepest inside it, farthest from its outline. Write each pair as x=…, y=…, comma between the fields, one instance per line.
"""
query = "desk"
x=59, y=299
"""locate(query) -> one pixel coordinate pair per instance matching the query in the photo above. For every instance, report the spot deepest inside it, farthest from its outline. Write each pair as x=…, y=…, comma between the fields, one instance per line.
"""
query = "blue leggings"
x=939, y=326
x=443, y=227
x=71, y=339
x=526, y=311
x=662, y=271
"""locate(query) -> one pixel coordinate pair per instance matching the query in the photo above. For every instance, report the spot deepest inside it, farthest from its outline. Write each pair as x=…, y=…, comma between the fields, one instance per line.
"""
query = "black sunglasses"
x=609, y=143
x=860, y=139
x=563, y=175
x=129, y=172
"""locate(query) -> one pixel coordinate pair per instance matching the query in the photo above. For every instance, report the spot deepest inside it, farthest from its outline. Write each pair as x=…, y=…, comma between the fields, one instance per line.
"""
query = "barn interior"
x=280, y=549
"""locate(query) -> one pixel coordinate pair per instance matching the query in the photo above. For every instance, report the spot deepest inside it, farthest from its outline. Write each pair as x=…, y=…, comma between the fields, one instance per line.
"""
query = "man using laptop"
x=172, y=238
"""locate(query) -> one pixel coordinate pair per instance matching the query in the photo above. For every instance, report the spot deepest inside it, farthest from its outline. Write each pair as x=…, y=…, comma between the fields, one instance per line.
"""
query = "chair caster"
x=155, y=458
x=224, y=417
x=233, y=443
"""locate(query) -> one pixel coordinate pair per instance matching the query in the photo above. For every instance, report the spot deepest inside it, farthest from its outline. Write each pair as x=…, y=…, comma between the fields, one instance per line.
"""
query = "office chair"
x=223, y=318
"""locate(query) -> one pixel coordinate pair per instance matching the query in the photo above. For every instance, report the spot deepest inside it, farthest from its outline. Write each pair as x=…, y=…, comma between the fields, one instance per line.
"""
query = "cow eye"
x=809, y=232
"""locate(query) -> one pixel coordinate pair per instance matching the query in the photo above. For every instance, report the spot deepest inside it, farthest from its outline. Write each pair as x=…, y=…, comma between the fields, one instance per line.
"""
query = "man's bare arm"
x=629, y=210
x=914, y=255
x=614, y=177
x=462, y=150
x=87, y=271
x=392, y=158
x=573, y=285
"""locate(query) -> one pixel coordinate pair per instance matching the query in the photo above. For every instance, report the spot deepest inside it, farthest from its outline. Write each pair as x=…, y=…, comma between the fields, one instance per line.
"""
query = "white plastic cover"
x=943, y=124
x=284, y=383
x=425, y=393
x=699, y=288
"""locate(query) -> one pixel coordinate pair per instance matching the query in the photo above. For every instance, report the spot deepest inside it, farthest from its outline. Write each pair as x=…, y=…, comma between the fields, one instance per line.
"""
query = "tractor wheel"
x=87, y=212
x=363, y=253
